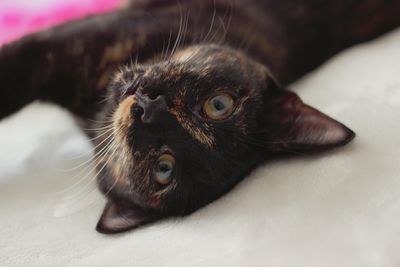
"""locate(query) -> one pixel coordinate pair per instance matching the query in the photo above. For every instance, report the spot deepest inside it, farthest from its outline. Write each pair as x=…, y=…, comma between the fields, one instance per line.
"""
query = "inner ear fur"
x=298, y=126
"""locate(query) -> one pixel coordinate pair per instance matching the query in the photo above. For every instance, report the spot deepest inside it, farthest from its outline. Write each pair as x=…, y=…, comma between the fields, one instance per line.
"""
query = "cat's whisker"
x=165, y=52
x=75, y=201
x=137, y=60
x=108, y=140
x=107, y=119
x=90, y=150
x=110, y=133
x=184, y=30
x=222, y=39
x=130, y=62
x=162, y=50
x=230, y=16
x=101, y=122
x=104, y=99
x=82, y=192
x=184, y=33
x=205, y=39
x=164, y=57
x=227, y=27
x=211, y=34
x=105, y=151
x=112, y=148
x=95, y=155
x=179, y=33
x=217, y=30
x=108, y=127
x=100, y=131
x=104, y=132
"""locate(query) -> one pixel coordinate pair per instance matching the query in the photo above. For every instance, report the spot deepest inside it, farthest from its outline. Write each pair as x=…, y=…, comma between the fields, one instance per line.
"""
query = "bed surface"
x=340, y=208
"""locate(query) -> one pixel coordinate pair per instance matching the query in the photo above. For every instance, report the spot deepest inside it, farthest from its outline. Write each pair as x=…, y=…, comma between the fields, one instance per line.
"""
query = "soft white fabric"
x=340, y=208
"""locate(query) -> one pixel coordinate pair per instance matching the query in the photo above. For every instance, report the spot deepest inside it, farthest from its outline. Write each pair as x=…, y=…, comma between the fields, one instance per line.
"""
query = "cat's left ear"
x=300, y=127
x=118, y=218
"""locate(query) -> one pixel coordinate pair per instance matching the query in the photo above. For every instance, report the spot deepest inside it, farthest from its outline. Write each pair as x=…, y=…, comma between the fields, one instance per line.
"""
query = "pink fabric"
x=20, y=17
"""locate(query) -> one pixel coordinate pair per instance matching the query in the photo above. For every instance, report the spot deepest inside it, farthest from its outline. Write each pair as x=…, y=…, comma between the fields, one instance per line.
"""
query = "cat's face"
x=187, y=129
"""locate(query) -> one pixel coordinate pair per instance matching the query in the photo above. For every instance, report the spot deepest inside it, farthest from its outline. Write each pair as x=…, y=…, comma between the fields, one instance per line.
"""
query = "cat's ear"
x=303, y=128
x=118, y=218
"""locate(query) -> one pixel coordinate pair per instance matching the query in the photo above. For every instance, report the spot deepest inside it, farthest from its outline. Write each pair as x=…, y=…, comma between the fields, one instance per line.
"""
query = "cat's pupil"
x=218, y=105
x=164, y=167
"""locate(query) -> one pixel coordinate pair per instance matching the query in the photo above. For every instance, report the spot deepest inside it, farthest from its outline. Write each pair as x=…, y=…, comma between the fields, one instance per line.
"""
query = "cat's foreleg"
x=71, y=64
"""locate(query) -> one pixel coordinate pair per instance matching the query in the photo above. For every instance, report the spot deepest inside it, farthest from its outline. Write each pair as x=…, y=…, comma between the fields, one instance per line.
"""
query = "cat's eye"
x=218, y=107
x=164, y=169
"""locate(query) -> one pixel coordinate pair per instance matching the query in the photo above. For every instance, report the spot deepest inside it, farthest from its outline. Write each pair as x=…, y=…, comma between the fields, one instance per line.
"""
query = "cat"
x=188, y=97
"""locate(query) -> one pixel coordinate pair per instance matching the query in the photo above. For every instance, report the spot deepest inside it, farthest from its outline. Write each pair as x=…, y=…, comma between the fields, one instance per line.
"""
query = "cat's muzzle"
x=152, y=113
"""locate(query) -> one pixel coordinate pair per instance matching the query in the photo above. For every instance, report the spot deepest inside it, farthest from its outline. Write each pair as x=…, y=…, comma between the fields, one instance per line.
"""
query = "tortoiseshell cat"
x=202, y=108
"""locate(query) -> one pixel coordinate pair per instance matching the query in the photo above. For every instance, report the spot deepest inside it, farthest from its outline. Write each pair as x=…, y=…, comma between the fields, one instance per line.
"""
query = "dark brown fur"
x=188, y=52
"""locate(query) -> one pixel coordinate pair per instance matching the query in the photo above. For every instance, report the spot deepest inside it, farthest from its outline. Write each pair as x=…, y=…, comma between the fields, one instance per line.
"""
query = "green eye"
x=218, y=107
x=164, y=168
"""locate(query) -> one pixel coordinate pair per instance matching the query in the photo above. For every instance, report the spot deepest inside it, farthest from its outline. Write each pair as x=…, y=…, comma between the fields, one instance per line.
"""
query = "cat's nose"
x=153, y=109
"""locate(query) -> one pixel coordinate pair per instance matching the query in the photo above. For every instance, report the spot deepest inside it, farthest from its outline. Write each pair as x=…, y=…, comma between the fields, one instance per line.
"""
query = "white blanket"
x=340, y=208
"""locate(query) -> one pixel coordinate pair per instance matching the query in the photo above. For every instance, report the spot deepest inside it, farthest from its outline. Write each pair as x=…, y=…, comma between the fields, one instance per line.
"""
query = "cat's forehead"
x=212, y=58
x=212, y=65
x=207, y=54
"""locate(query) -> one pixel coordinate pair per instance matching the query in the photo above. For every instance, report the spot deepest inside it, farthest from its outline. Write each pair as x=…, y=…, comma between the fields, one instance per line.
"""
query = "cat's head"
x=187, y=129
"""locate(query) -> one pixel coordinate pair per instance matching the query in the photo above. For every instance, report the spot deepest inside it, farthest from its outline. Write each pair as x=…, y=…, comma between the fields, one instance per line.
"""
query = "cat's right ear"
x=117, y=218
x=296, y=126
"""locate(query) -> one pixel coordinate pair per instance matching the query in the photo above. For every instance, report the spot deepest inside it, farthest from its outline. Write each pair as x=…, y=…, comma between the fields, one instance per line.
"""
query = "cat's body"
x=192, y=54
x=290, y=37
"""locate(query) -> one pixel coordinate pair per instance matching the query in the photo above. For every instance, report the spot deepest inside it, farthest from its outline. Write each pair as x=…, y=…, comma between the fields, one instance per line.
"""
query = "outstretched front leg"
x=71, y=64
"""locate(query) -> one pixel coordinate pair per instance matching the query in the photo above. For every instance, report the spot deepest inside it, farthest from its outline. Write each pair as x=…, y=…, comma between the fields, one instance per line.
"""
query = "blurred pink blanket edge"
x=21, y=17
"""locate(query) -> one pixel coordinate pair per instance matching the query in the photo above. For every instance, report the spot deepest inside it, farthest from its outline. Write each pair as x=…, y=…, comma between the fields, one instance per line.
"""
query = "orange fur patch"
x=123, y=115
x=123, y=118
x=186, y=54
x=195, y=132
